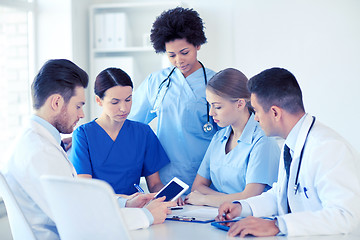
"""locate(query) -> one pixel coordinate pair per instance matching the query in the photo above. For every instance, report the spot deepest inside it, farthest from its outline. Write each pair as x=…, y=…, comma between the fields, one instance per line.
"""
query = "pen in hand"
x=176, y=208
x=138, y=188
x=223, y=217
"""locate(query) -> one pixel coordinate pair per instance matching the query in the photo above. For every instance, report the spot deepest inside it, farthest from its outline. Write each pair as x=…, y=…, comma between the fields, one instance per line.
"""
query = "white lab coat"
x=37, y=153
x=330, y=173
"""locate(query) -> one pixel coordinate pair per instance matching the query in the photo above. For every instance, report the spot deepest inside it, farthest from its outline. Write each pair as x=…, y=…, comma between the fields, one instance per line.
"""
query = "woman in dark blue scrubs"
x=113, y=148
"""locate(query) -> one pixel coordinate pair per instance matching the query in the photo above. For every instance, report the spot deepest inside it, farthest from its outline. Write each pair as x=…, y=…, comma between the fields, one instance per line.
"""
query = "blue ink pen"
x=305, y=190
x=140, y=190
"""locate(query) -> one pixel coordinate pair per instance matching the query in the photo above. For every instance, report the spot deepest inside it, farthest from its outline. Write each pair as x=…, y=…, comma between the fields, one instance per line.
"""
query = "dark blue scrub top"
x=136, y=152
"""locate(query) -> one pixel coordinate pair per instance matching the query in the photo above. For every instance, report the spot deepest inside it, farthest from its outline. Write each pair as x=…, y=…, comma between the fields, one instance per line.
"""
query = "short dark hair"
x=277, y=87
x=57, y=76
x=177, y=23
x=231, y=84
x=109, y=78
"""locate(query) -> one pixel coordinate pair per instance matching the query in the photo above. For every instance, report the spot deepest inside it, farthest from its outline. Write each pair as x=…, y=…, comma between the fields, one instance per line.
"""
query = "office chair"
x=84, y=208
x=20, y=228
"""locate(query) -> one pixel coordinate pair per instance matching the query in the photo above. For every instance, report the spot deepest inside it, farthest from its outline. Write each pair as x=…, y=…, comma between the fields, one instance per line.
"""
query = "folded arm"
x=202, y=194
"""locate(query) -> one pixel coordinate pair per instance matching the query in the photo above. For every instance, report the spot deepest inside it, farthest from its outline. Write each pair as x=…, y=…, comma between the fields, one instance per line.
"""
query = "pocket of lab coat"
x=307, y=196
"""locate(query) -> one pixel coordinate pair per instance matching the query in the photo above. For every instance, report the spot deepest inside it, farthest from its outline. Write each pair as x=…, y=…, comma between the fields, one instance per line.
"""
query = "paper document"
x=205, y=212
x=194, y=214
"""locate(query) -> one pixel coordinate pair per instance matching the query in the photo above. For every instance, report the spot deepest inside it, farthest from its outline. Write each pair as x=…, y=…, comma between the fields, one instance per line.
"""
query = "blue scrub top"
x=136, y=152
x=254, y=160
x=181, y=118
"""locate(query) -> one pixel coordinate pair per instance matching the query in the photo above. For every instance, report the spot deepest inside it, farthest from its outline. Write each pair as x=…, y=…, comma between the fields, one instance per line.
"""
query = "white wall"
x=53, y=27
x=318, y=41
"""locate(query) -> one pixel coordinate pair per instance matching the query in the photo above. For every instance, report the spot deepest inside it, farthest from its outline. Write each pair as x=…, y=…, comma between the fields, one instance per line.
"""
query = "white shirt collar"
x=53, y=131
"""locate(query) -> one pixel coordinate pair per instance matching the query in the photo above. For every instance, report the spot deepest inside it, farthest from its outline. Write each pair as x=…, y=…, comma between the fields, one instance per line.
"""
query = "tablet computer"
x=173, y=190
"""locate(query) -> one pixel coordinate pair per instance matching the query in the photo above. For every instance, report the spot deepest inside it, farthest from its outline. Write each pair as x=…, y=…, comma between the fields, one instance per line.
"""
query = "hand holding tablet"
x=173, y=190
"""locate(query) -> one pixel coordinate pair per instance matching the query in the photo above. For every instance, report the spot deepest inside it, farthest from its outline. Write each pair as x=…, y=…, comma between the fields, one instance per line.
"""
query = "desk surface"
x=175, y=230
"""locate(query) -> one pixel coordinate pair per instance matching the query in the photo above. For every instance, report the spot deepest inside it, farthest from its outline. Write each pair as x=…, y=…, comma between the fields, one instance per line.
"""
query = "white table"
x=174, y=230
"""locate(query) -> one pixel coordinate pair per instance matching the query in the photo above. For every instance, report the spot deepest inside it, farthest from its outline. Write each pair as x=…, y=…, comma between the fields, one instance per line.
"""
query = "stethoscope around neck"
x=208, y=127
x=296, y=186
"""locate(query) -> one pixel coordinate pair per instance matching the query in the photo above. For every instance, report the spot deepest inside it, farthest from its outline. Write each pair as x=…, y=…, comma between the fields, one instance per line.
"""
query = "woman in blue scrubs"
x=241, y=161
x=176, y=95
x=113, y=148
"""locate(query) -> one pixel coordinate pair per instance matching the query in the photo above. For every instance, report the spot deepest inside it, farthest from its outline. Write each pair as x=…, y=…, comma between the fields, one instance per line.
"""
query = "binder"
x=109, y=26
x=120, y=30
x=99, y=31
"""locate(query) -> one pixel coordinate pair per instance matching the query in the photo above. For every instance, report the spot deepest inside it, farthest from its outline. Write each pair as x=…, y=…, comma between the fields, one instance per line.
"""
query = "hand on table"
x=255, y=226
x=180, y=201
x=195, y=198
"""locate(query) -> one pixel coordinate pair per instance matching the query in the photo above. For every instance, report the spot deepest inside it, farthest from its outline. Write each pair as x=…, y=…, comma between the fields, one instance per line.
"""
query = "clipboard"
x=194, y=214
x=189, y=219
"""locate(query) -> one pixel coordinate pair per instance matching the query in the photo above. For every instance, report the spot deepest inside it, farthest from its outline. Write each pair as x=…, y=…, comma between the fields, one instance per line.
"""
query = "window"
x=16, y=33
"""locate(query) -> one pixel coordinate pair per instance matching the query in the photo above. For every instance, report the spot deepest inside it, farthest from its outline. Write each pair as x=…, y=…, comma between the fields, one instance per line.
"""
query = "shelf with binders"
x=124, y=26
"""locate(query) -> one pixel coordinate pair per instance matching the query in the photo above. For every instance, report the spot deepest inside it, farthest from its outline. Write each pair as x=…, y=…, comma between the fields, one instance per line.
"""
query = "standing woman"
x=241, y=161
x=176, y=95
x=112, y=148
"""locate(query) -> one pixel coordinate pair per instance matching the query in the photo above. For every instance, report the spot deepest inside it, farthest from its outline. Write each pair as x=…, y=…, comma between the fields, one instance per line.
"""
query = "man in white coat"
x=320, y=193
x=58, y=93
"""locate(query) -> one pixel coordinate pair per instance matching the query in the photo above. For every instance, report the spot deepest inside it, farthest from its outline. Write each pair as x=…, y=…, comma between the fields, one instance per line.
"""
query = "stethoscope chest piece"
x=208, y=127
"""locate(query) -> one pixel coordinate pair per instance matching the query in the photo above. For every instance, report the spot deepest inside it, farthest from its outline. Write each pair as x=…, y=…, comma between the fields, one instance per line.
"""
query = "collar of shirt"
x=54, y=132
x=247, y=134
x=292, y=137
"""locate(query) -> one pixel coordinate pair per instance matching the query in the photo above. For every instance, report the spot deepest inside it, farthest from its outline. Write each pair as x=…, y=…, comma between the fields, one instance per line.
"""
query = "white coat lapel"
x=46, y=134
x=295, y=162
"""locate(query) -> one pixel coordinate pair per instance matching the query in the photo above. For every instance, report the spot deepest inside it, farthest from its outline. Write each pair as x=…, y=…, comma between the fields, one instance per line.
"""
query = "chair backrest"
x=84, y=208
x=20, y=227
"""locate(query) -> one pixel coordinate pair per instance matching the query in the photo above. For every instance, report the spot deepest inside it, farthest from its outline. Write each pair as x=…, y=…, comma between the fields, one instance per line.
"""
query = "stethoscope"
x=297, y=184
x=208, y=127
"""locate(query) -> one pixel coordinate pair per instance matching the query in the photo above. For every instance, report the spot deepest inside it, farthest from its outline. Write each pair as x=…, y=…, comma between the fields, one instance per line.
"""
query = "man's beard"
x=61, y=122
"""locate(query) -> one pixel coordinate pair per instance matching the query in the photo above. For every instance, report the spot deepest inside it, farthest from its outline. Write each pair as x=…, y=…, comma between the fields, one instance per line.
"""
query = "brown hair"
x=230, y=84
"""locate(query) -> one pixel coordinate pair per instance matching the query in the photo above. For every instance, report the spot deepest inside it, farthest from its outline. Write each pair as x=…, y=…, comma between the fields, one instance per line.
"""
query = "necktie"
x=287, y=160
x=62, y=145
x=287, y=163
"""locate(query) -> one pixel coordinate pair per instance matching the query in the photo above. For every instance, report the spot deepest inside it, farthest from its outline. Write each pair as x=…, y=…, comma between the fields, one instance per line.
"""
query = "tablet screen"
x=170, y=191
